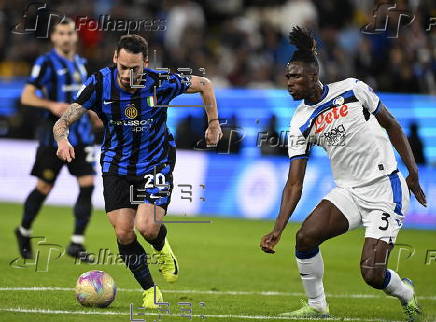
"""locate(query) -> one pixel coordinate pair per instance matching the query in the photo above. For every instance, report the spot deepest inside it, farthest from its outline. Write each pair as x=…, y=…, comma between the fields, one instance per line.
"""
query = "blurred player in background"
x=357, y=131
x=138, y=151
x=59, y=74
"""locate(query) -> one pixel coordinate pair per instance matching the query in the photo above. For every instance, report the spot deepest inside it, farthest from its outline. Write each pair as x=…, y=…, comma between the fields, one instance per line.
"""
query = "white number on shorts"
x=90, y=154
x=160, y=180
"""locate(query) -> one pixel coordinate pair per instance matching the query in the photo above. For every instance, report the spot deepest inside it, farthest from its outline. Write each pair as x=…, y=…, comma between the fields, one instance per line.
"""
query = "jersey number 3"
x=385, y=217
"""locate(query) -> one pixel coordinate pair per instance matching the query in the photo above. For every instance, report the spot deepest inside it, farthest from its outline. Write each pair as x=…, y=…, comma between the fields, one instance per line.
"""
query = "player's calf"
x=376, y=277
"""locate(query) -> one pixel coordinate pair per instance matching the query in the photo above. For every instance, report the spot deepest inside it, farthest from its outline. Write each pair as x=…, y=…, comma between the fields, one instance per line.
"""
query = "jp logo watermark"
x=389, y=18
x=37, y=19
x=45, y=254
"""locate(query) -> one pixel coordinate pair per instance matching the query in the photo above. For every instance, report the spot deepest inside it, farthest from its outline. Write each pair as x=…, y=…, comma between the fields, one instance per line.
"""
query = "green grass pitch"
x=221, y=266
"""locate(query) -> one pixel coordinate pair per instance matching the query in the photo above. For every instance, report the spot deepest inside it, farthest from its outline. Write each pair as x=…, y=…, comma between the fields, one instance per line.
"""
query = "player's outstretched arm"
x=65, y=151
x=29, y=98
x=204, y=86
x=401, y=144
x=290, y=197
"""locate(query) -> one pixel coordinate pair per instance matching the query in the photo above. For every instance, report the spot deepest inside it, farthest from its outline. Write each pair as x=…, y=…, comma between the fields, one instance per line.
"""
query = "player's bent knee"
x=374, y=276
x=43, y=187
x=305, y=240
x=125, y=236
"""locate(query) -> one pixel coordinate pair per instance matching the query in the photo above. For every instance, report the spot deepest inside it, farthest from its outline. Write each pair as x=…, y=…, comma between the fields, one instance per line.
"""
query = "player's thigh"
x=47, y=165
x=382, y=225
x=325, y=221
x=155, y=189
x=383, y=216
x=117, y=193
x=84, y=162
x=346, y=204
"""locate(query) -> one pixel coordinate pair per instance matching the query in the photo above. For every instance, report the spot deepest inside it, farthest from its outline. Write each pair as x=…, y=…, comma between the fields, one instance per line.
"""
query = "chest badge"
x=338, y=101
x=131, y=111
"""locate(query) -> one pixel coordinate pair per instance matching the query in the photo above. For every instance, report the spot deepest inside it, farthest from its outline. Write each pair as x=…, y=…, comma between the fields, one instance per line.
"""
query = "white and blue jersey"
x=136, y=137
x=59, y=79
x=343, y=123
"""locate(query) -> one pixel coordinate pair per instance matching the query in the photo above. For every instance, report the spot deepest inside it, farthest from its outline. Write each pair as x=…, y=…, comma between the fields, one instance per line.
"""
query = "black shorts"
x=47, y=165
x=129, y=191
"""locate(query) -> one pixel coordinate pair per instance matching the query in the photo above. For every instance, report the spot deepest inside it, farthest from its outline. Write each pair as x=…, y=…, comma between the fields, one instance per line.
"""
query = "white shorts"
x=380, y=207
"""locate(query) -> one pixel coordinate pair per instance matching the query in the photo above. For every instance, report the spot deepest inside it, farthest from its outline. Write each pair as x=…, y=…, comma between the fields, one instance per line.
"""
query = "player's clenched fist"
x=268, y=242
x=65, y=151
x=213, y=133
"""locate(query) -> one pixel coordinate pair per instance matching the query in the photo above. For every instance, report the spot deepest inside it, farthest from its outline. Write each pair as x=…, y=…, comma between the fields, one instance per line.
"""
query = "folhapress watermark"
x=128, y=25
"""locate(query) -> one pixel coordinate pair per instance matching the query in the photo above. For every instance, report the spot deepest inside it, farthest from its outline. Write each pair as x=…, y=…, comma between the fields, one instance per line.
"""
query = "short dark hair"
x=305, y=47
x=133, y=43
x=64, y=21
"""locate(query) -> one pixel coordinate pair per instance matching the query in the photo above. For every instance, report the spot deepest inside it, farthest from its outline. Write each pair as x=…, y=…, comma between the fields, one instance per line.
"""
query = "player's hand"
x=58, y=108
x=213, y=134
x=414, y=186
x=268, y=242
x=65, y=151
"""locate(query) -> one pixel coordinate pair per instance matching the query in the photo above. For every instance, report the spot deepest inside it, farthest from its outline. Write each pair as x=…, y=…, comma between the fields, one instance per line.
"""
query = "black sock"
x=159, y=241
x=82, y=209
x=31, y=207
x=135, y=258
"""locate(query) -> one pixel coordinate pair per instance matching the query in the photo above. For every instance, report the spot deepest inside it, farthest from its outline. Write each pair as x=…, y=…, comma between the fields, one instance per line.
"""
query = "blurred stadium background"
x=242, y=47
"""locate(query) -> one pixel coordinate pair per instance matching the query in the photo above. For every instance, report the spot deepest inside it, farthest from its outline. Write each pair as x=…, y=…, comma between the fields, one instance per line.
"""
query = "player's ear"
x=146, y=62
x=115, y=58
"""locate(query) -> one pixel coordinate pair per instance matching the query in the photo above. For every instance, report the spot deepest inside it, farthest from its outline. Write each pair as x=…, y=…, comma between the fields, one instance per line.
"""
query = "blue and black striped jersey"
x=136, y=135
x=59, y=79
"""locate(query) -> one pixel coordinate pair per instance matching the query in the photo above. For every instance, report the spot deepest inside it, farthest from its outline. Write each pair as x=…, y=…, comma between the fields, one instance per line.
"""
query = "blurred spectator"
x=244, y=43
x=416, y=144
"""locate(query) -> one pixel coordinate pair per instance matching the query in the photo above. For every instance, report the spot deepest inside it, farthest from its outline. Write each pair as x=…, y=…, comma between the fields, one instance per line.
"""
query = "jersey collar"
x=325, y=91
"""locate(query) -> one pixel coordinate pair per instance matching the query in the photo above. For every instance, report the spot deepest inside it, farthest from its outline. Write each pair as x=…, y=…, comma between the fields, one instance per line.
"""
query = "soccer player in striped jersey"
x=357, y=131
x=138, y=151
x=58, y=75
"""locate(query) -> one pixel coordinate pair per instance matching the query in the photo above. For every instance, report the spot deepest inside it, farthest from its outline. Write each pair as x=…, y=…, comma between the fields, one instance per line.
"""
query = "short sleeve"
x=365, y=94
x=87, y=94
x=175, y=84
x=41, y=73
x=298, y=144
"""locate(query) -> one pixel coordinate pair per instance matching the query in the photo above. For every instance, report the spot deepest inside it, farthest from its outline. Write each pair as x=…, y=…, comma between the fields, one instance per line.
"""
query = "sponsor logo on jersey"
x=131, y=112
x=328, y=117
x=335, y=136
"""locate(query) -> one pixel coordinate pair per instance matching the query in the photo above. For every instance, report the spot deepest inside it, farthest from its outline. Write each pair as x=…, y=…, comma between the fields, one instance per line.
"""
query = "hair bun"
x=302, y=39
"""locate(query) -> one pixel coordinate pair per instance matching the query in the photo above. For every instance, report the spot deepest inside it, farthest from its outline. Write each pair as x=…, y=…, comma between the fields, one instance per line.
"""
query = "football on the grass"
x=95, y=288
